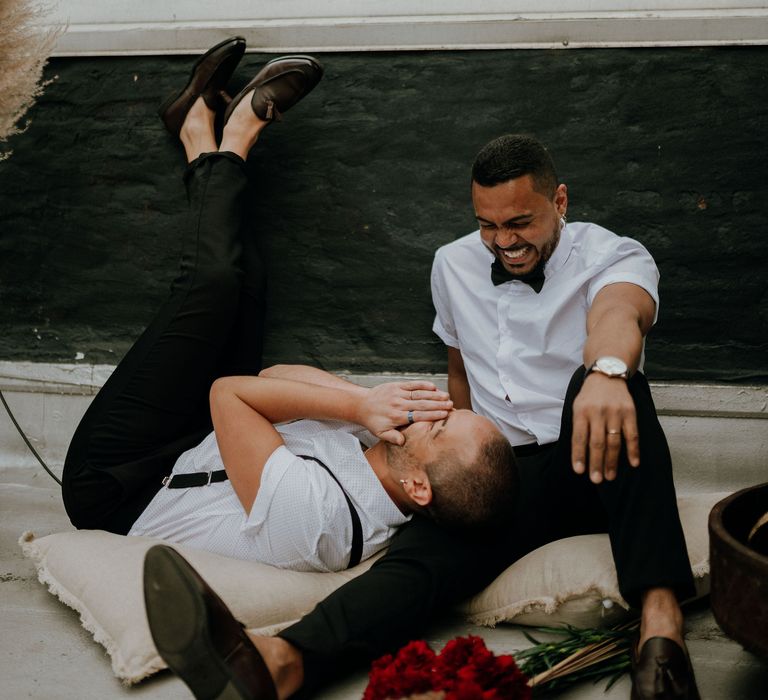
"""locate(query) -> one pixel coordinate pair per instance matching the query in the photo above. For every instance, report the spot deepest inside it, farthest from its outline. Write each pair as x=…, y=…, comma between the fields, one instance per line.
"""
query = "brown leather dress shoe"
x=196, y=634
x=278, y=86
x=661, y=670
x=208, y=80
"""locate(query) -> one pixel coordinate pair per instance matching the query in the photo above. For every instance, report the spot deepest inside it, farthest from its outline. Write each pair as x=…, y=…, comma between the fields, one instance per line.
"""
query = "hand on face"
x=386, y=407
x=603, y=417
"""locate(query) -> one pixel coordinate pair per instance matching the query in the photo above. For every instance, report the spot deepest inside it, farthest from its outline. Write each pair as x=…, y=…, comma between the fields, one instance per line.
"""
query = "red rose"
x=465, y=670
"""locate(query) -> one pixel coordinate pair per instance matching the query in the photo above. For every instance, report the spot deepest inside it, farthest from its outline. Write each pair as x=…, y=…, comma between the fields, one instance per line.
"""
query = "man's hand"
x=603, y=416
x=385, y=407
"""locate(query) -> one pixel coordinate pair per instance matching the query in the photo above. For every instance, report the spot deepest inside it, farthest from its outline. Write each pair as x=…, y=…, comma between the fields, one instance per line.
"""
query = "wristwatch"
x=610, y=366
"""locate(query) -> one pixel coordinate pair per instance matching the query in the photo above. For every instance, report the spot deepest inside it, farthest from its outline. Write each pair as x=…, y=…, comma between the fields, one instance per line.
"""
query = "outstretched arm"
x=620, y=317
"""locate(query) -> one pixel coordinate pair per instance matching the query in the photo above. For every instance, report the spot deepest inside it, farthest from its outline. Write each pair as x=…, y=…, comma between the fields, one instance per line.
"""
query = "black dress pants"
x=155, y=405
x=426, y=569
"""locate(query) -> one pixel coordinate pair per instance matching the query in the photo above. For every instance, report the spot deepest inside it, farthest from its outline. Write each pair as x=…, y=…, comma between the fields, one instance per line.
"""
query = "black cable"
x=26, y=439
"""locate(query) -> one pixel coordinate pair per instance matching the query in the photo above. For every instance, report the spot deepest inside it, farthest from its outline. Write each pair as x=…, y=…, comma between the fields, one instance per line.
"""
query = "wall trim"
x=671, y=398
x=144, y=27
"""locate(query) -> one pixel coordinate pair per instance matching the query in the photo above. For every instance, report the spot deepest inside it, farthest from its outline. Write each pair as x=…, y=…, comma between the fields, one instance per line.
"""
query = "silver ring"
x=410, y=417
x=613, y=432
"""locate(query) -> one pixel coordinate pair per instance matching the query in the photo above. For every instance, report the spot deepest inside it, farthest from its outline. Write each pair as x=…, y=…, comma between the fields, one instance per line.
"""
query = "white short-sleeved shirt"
x=520, y=348
x=300, y=519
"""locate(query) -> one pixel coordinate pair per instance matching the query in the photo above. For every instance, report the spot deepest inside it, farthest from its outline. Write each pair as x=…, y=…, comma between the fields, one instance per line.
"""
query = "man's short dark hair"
x=512, y=156
x=475, y=494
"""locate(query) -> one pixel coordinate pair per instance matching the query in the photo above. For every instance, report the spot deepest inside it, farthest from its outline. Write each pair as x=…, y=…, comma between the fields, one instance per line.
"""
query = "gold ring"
x=613, y=432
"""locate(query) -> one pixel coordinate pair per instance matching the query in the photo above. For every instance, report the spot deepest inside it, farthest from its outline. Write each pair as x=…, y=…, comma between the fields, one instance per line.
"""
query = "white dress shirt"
x=520, y=348
x=300, y=519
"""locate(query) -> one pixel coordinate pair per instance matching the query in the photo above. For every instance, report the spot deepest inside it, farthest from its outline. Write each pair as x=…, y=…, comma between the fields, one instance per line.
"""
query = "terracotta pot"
x=739, y=574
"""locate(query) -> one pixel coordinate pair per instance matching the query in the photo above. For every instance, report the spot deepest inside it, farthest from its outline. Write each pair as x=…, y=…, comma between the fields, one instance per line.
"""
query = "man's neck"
x=377, y=458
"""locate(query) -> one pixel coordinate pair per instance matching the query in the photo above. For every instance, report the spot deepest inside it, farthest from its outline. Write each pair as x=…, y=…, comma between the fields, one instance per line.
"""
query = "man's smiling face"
x=518, y=224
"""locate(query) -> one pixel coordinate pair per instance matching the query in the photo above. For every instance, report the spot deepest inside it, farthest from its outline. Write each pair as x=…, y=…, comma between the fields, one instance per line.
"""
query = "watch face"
x=611, y=365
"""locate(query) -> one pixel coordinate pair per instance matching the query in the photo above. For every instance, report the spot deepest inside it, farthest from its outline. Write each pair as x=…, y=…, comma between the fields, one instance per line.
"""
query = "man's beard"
x=546, y=253
x=399, y=457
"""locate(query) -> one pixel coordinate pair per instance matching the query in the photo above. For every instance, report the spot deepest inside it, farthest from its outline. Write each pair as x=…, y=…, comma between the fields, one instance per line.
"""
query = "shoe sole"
x=178, y=622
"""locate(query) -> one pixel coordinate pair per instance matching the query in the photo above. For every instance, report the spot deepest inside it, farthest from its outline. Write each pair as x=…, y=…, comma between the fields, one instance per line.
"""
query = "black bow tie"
x=535, y=278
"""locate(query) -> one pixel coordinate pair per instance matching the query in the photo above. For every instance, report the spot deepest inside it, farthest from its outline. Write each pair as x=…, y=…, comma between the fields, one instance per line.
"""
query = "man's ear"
x=418, y=489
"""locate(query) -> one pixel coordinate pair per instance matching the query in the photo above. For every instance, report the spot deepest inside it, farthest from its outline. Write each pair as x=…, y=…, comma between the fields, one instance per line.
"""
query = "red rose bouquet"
x=464, y=670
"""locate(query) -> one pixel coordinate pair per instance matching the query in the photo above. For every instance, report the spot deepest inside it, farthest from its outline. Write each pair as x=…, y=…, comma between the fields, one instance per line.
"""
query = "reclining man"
x=144, y=459
x=545, y=324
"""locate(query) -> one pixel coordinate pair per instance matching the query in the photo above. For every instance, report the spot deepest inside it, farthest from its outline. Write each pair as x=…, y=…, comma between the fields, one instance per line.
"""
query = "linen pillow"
x=99, y=575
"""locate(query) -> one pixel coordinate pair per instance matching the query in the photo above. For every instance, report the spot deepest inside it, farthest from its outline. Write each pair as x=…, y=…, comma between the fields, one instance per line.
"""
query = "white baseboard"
x=115, y=27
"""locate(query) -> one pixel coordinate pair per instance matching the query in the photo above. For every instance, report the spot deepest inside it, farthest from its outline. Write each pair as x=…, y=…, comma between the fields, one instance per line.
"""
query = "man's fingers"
x=393, y=436
x=632, y=440
x=428, y=415
x=426, y=395
x=603, y=419
x=612, y=450
x=430, y=407
x=596, y=451
x=579, y=439
x=418, y=385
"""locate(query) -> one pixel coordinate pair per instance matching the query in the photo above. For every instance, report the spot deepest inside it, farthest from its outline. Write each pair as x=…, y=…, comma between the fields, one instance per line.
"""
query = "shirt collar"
x=561, y=254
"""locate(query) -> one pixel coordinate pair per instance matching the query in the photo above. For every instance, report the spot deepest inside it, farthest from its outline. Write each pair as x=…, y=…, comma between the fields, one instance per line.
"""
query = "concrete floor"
x=46, y=655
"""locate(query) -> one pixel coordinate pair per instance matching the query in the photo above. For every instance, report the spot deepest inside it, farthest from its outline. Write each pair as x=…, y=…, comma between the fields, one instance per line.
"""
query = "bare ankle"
x=196, y=132
x=661, y=615
x=242, y=130
x=284, y=661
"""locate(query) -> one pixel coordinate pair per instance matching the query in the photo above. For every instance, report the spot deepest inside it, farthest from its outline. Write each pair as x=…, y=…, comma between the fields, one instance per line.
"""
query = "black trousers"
x=155, y=404
x=426, y=569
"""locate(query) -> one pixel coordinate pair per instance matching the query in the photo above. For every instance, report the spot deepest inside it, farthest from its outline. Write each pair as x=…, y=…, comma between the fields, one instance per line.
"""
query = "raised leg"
x=155, y=405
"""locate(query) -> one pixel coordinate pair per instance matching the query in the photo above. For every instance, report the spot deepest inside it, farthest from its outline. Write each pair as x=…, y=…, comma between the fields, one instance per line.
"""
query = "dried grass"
x=25, y=46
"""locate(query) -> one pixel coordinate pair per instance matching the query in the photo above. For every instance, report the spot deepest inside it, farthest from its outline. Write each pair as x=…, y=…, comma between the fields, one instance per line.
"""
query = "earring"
x=404, y=481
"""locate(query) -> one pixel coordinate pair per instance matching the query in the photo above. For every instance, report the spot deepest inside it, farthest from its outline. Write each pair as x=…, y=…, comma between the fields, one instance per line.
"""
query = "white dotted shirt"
x=520, y=348
x=300, y=519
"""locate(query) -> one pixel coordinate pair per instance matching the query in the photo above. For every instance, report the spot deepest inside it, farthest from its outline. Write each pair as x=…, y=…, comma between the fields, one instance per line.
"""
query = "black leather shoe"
x=661, y=670
x=196, y=634
x=208, y=80
x=279, y=85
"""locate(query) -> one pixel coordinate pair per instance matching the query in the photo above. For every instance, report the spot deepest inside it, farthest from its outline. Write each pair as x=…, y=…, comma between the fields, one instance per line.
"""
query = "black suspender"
x=356, y=552
x=186, y=481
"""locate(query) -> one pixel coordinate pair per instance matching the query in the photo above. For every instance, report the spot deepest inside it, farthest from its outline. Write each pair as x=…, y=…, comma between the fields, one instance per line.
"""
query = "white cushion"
x=100, y=575
x=574, y=580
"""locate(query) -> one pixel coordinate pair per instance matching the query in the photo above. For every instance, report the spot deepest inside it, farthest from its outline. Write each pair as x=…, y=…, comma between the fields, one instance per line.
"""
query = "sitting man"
x=303, y=495
x=545, y=324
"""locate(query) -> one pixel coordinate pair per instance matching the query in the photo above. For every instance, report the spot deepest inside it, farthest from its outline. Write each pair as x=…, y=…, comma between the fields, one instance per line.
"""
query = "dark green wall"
x=369, y=175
